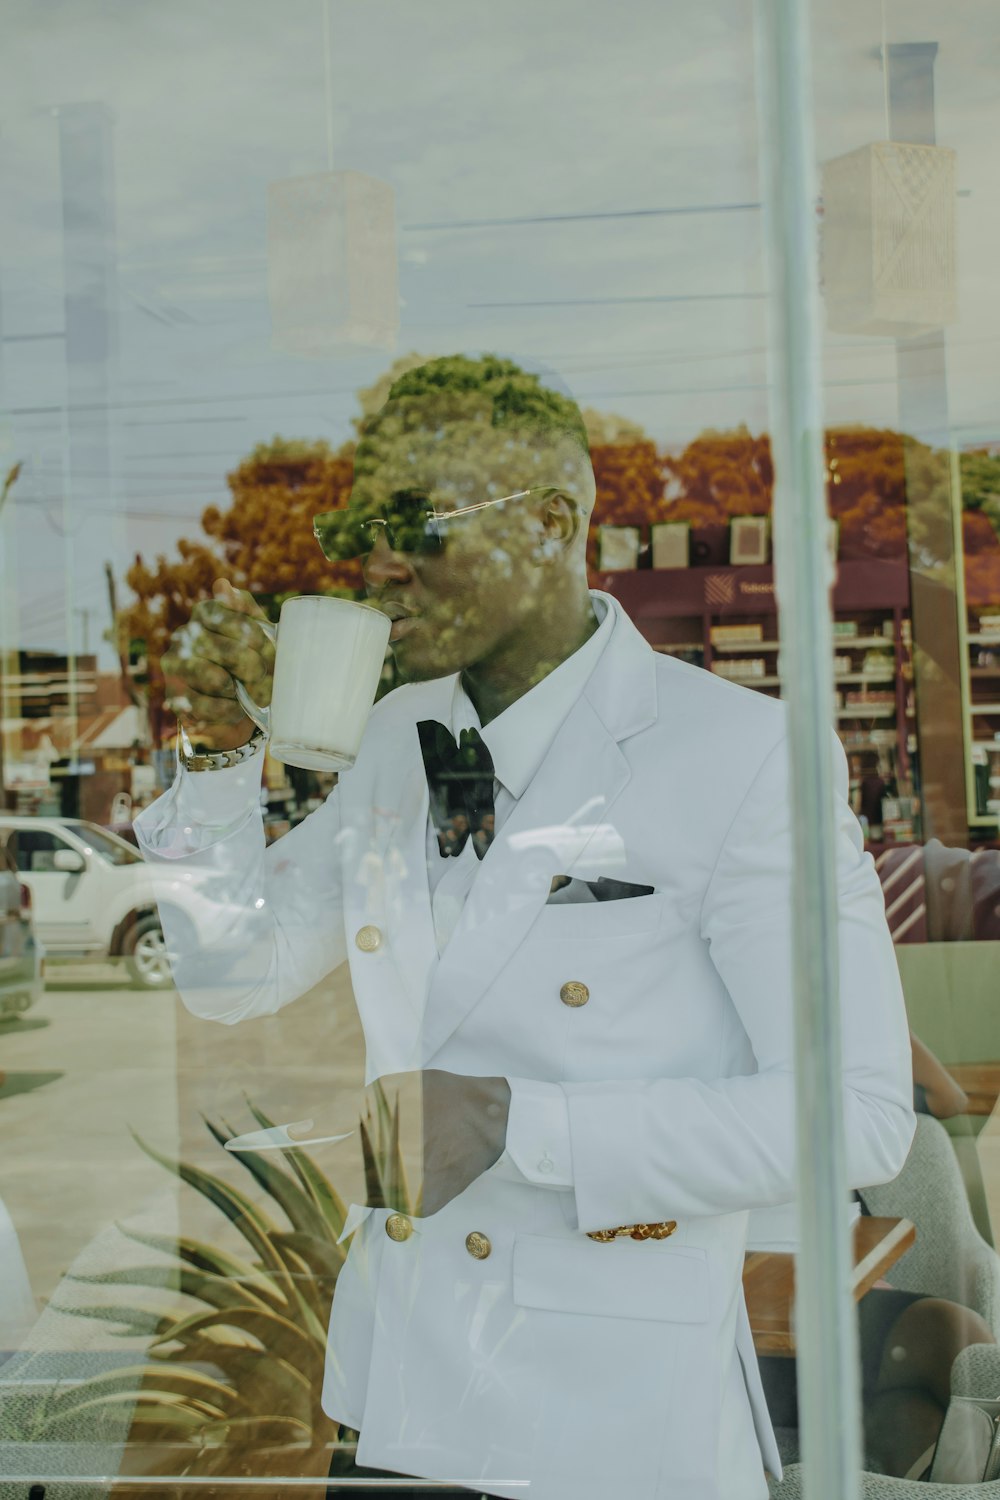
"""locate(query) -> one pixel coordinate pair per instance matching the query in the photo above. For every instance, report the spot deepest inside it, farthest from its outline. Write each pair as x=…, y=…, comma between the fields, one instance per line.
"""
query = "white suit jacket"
x=583, y=1367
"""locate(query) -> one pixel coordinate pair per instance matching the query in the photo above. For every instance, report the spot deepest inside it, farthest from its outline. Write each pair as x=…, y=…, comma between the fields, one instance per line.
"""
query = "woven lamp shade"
x=888, y=239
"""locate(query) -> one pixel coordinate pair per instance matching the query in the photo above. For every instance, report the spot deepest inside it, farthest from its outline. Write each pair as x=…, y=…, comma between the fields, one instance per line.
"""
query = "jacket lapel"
x=562, y=818
x=401, y=906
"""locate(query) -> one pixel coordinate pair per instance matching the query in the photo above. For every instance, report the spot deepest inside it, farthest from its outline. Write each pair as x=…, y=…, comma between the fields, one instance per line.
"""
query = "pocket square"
x=618, y=890
x=566, y=890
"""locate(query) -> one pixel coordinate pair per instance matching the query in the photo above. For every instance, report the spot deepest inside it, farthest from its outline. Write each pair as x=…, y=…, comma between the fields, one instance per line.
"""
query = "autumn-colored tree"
x=720, y=475
x=265, y=537
x=866, y=491
x=630, y=487
x=264, y=542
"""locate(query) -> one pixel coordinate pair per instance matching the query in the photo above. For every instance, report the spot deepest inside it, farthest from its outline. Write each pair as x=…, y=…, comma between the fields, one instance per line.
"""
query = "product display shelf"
x=680, y=610
x=981, y=700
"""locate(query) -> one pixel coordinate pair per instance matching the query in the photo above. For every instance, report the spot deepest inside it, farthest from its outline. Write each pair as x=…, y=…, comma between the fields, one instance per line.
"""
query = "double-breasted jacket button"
x=574, y=992
x=368, y=938
x=478, y=1245
x=398, y=1227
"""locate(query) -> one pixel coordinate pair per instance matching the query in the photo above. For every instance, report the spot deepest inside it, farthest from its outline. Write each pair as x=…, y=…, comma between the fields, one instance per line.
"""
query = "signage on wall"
x=726, y=588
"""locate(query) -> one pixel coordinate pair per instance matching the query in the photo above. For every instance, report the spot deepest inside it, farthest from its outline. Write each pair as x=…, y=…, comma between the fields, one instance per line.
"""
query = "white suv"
x=93, y=894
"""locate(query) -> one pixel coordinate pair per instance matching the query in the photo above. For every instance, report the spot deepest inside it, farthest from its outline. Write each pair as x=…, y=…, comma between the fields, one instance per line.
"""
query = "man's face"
x=456, y=608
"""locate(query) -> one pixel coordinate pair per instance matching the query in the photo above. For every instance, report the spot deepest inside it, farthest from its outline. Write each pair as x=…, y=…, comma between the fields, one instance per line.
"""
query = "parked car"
x=94, y=895
x=21, y=954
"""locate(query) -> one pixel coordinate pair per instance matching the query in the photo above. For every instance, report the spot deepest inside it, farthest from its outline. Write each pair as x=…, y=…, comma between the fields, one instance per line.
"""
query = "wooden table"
x=981, y=1082
x=769, y=1279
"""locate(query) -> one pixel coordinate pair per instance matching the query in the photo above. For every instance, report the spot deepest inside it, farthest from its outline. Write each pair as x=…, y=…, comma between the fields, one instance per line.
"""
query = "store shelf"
x=840, y=644
x=860, y=742
x=746, y=646
x=983, y=708
x=680, y=614
x=754, y=682
x=851, y=642
x=984, y=638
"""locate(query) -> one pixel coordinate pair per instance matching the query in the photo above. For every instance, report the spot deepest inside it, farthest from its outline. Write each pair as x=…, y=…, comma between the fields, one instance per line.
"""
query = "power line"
x=630, y=301
x=583, y=218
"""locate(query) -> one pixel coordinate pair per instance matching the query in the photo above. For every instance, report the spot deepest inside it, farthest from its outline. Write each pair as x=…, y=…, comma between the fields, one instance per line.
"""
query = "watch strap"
x=216, y=760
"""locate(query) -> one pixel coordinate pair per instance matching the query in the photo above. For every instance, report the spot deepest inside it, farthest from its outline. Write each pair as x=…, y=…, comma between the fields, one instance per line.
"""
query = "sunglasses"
x=411, y=525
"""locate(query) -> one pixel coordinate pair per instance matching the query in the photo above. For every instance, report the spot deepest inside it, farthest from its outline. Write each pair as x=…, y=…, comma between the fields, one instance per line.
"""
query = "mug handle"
x=261, y=716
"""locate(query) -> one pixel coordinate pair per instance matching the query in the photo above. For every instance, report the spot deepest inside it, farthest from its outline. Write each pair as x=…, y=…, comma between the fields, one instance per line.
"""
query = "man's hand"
x=221, y=641
x=464, y=1130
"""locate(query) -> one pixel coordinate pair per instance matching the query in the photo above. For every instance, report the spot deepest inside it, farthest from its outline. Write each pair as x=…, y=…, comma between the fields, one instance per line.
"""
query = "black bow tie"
x=460, y=780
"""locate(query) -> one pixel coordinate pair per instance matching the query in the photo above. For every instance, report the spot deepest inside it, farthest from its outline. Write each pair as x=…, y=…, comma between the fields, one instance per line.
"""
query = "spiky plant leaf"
x=265, y=1430
x=297, y=1206
x=163, y=1411
x=138, y=1322
x=214, y=1262
x=258, y=1374
x=315, y=1311
x=255, y=1225
x=150, y=1381
x=217, y=1291
x=397, y=1194
x=283, y=1337
x=324, y=1260
x=198, y=1254
x=374, y=1191
x=315, y=1182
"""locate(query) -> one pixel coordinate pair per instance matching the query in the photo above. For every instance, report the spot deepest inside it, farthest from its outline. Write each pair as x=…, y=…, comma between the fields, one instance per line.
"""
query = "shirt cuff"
x=538, y=1140
x=200, y=808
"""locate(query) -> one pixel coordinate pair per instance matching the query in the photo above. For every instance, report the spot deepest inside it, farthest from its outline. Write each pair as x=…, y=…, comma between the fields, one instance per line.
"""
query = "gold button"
x=368, y=939
x=398, y=1227
x=574, y=993
x=477, y=1245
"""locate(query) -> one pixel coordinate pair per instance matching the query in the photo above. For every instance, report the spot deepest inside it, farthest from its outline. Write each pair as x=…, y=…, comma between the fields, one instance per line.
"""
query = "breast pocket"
x=600, y=921
x=619, y=1280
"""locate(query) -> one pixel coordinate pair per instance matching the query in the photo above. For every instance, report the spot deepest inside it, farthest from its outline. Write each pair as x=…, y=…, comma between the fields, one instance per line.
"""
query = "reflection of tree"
x=630, y=485
x=866, y=489
x=981, y=526
x=266, y=536
x=263, y=541
x=720, y=475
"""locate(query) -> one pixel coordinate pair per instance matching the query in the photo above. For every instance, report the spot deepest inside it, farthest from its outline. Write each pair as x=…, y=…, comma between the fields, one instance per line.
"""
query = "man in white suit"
x=599, y=1001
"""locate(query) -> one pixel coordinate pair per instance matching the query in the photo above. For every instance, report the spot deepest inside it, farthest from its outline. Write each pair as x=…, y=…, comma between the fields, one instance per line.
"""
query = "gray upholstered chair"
x=950, y=1258
x=976, y=1372
x=882, y=1487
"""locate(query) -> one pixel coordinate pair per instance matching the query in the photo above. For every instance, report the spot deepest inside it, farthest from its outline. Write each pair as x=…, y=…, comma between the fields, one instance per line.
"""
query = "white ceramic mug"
x=327, y=667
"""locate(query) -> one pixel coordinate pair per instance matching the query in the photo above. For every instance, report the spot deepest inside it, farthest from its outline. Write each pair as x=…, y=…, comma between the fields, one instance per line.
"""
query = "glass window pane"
x=470, y=314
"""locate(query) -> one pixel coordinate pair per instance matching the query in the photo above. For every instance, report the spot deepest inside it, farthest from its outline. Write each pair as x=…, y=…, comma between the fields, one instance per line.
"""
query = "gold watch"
x=215, y=760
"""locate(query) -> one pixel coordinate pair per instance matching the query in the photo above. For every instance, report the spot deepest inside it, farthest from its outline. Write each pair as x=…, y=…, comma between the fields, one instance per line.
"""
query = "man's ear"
x=560, y=522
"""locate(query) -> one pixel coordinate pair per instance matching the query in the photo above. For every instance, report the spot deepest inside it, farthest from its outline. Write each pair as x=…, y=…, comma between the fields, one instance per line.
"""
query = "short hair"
x=509, y=428
x=517, y=397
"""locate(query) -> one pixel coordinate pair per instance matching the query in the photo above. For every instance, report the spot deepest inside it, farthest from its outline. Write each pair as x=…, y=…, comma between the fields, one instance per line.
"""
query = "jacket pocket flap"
x=625, y=1279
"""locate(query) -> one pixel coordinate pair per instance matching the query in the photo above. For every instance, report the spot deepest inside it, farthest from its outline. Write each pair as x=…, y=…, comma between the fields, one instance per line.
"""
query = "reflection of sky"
x=521, y=113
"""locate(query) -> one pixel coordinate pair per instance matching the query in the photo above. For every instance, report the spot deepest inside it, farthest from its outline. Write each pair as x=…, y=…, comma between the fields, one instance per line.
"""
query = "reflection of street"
x=117, y=1058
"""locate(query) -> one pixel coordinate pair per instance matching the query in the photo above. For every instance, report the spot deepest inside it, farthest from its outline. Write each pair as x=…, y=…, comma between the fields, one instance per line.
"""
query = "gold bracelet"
x=634, y=1232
